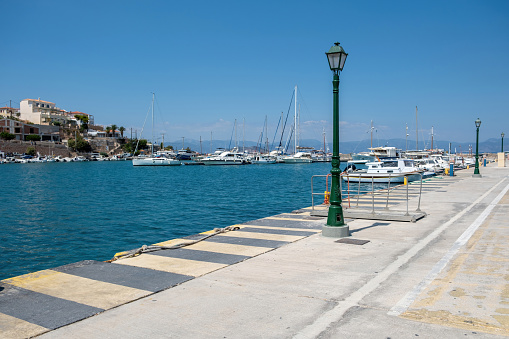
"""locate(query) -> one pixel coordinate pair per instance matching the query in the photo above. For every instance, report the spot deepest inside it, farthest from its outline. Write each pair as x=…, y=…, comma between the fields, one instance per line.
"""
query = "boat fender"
x=326, y=197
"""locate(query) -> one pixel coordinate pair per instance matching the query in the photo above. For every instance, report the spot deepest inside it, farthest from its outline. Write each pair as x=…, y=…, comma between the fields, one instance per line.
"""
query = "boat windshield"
x=409, y=163
x=390, y=164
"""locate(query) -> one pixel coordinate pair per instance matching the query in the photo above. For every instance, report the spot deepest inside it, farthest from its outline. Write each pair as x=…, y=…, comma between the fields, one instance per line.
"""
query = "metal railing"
x=361, y=190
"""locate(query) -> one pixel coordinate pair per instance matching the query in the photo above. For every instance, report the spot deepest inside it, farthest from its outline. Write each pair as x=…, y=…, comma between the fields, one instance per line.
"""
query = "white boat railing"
x=361, y=191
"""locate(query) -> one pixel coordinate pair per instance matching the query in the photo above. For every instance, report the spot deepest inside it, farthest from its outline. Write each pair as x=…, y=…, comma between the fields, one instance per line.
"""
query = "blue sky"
x=211, y=62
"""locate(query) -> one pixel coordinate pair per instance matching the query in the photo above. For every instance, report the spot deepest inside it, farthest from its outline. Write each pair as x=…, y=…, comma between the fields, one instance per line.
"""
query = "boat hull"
x=297, y=161
x=222, y=162
x=381, y=178
x=156, y=162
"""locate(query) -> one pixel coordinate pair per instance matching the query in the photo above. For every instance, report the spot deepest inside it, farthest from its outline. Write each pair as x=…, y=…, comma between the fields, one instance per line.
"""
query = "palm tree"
x=107, y=129
x=121, y=129
x=113, y=129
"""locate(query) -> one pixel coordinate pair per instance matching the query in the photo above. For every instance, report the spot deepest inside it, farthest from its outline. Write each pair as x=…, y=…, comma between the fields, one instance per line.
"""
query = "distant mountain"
x=491, y=145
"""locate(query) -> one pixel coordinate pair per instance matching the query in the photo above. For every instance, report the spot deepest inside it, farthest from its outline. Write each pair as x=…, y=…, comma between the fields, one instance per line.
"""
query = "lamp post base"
x=336, y=231
x=476, y=175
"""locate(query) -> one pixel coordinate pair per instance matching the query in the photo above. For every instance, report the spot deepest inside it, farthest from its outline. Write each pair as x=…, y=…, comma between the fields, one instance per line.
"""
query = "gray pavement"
x=444, y=276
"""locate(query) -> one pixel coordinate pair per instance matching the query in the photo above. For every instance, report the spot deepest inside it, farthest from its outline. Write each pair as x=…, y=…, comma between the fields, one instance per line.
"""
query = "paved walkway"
x=445, y=275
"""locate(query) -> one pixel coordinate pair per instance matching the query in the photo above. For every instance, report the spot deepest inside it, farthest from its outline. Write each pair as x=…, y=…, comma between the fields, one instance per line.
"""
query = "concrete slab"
x=77, y=289
x=42, y=310
x=130, y=276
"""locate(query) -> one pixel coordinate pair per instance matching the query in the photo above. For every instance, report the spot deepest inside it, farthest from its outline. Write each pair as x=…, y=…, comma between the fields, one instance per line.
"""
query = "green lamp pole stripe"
x=335, y=216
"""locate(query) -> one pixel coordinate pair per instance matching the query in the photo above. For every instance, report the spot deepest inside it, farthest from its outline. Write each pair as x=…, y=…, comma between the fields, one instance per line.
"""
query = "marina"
x=216, y=170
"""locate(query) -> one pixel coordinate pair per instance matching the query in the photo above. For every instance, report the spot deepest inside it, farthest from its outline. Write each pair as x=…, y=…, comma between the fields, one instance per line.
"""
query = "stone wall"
x=43, y=147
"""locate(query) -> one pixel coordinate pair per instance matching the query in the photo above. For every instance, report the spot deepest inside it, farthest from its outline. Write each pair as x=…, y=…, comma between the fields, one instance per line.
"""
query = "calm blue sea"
x=58, y=213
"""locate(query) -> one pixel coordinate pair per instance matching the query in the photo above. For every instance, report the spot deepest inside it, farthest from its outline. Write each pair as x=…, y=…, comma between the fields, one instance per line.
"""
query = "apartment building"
x=42, y=112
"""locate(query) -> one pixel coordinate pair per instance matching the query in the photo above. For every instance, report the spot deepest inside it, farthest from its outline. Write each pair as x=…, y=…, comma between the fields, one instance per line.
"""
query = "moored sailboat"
x=158, y=160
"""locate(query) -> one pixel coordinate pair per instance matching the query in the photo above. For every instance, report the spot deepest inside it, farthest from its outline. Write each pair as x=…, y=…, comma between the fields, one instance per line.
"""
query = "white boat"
x=298, y=158
x=261, y=159
x=430, y=166
x=155, y=160
x=225, y=158
x=393, y=170
x=376, y=153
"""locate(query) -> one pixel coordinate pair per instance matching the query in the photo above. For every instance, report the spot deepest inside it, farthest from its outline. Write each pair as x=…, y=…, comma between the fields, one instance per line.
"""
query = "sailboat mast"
x=295, y=122
x=432, y=138
x=266, y=136
x=416, y=131
x=324, y=151
x=152, y=148
x=371, y=130
x=406, y=138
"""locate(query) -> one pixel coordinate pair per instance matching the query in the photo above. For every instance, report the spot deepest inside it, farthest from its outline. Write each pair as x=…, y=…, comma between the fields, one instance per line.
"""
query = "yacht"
x=430, y=166
x=298, y=158
x=376, y=153
x=263, y=159
x=225, y=158
x=393, y=170
x=155, y=161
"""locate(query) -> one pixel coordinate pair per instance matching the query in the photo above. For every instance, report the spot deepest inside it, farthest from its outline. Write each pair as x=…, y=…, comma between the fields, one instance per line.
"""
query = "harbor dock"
x=444, y=275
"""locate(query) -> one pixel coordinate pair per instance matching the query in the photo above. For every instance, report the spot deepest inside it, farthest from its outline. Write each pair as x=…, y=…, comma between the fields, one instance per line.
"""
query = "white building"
x=8, y=112
x=42, y=112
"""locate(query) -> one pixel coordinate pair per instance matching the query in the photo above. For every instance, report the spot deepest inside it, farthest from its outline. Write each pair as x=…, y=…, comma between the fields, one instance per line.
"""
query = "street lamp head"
x=478, y=123
x=503, y=134
x=337, y=57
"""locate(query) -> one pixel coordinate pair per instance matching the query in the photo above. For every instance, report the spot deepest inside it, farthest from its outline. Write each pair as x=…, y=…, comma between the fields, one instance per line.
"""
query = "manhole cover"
x=352, y=241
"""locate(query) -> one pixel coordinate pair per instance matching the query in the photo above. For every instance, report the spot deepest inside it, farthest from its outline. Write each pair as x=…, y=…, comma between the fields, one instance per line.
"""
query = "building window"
x=17, y=130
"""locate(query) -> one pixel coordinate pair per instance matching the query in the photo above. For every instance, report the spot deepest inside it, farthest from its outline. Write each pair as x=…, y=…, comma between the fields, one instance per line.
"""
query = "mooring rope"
x=153, y=248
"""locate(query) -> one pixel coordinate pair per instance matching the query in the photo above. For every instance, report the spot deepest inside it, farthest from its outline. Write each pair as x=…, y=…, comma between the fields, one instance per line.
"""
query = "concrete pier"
x=445, y=275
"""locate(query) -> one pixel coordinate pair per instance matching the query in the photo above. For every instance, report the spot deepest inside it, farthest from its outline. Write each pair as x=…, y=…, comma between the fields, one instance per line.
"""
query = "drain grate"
x=352, y=241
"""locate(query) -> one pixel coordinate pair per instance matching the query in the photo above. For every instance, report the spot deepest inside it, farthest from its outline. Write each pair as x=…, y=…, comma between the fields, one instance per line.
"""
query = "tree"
x=7, y=136
x=121, y=129
x=33, y=137
x=80, y=144
x=107, y=129
x=83, y=118
x=30, y=151
x=56, y=123
x=113, y=129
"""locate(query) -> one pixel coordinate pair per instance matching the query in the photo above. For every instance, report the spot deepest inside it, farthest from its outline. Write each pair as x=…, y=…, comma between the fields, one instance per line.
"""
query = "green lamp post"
x=335, y=226
x=476, y=170
x=502, y=135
